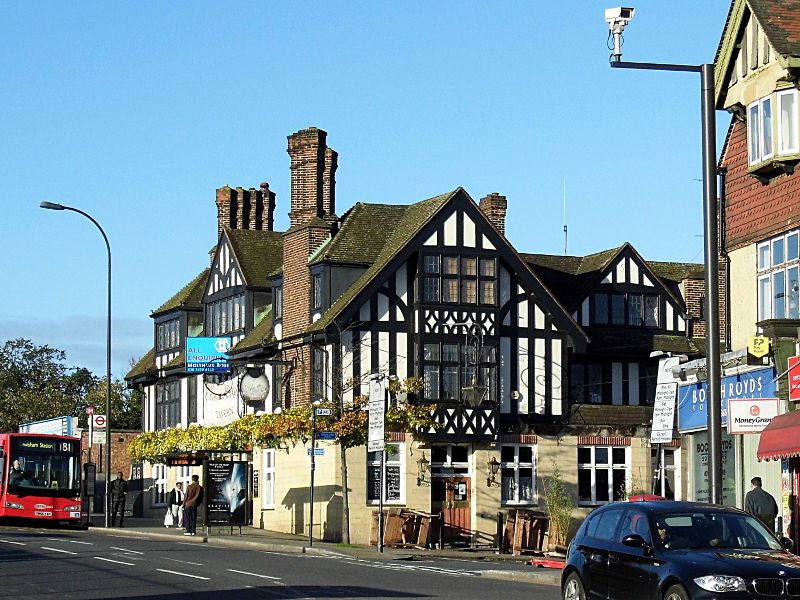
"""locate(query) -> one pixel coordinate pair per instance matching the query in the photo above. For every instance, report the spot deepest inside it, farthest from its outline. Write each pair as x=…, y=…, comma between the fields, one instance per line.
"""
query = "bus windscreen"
x=44, y=467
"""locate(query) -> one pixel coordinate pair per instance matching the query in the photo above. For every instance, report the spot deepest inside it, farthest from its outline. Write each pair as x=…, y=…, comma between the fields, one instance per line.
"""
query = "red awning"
x=781, y=438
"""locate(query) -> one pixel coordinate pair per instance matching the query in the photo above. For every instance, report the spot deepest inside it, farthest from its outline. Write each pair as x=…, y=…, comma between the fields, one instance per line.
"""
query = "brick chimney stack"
x=313, y=176
x=239, y=208
x=495, y=206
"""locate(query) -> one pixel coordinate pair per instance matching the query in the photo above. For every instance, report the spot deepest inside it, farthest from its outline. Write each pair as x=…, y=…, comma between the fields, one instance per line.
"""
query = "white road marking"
x=57, y=550
x=253, y=574
x=119, y=562
x=185, y=562
x=125, y=550
x=15, y=543
x=183, y=574
x=70, y=541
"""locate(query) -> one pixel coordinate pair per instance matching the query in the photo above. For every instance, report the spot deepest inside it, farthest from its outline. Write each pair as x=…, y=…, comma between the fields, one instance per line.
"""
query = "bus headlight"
x=14, y=505
x=71, y=507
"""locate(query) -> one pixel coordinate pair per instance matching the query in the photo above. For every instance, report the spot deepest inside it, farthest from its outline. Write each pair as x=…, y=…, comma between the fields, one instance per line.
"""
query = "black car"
x=677, y=551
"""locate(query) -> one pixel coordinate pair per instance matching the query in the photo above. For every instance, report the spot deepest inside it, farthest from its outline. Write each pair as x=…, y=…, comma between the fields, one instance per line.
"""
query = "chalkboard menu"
x=392, y=483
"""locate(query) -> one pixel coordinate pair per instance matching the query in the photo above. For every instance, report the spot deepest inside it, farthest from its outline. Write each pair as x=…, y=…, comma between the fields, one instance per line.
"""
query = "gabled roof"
x=571, y=278
x=780, y=22
x=189, y=297
x=260, y=335
x=397, y=235
x=144, y=366
x=356, y=242
x=258, y=254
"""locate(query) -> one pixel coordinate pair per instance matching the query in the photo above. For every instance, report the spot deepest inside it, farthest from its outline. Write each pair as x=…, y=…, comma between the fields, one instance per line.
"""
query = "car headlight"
x=721, y=583
x=71, y=507
x=14, y=505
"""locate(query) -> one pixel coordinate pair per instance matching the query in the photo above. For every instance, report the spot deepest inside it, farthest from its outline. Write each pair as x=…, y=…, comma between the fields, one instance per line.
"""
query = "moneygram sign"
x=751, y=415
x=207, y=354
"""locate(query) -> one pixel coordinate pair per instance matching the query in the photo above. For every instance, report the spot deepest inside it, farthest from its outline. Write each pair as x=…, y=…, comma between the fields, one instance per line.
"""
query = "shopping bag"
x=168, y=519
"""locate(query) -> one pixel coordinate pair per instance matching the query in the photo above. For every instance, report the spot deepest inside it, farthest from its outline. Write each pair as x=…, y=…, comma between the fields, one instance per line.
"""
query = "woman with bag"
x=174, y=514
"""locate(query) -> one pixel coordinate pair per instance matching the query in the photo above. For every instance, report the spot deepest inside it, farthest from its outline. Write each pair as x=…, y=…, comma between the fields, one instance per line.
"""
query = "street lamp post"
x=54, y=206
x=617, y=20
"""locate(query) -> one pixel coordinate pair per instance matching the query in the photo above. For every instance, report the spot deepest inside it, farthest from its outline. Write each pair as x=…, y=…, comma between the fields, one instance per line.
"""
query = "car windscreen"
x=44, y=467
x=700, y=530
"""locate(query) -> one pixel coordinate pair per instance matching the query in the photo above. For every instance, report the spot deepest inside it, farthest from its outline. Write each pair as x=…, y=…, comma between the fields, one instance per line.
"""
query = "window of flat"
x=393, y=482
x=518, y=474
x=773, y=135
x=633, y=309
x=226, y=315
x=453, y=279
x=167, y=335
x=593, y=383
x=447, y=367
x=779, y=277
x=316, y=290
x=168, y=404
x=318, y=374
x=603, y=473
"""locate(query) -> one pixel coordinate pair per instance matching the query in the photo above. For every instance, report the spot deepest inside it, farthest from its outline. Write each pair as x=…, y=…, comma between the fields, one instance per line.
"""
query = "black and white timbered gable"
x=450, y=301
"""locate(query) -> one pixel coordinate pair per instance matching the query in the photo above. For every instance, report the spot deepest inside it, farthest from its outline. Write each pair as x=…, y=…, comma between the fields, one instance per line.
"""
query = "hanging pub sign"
x=207, y=354
x=226, y=486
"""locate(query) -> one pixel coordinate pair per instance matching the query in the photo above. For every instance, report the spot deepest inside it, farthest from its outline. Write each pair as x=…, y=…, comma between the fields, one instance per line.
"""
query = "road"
x=42, y=564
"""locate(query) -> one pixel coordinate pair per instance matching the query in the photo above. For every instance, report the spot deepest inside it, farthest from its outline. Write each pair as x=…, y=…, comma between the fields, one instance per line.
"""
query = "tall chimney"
x=313, y=167
x=266, y=211
x=495, y=206
x=226, y=209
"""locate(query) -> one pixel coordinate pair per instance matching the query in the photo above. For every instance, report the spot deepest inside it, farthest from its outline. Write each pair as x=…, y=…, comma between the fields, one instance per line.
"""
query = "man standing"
x=193, y=499
x=118, y=491
x=176, y=505
x=761, y=504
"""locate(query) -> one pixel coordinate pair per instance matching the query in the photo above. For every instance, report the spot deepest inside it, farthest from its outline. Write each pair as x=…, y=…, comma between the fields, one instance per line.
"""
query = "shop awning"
x=781, y=438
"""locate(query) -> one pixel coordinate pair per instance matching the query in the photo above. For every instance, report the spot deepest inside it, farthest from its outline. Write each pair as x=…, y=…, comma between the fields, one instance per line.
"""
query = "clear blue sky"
x=137, y=112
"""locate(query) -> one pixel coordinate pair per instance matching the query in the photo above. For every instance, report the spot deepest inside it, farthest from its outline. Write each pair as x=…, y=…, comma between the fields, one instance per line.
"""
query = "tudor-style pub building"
x=528, y=362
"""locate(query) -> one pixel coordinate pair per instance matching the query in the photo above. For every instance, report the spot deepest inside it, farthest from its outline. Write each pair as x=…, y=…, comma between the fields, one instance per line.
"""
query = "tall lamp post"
x=54, y=206
x=618, y=19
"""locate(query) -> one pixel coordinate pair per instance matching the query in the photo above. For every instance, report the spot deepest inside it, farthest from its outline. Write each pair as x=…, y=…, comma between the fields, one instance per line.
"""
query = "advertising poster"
x=226, y=486
x=699, y=447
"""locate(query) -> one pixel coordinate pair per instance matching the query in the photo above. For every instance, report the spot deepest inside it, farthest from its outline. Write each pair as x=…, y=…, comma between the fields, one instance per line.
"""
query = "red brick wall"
x=120, y=460
x=755, y=211
x=494, y=206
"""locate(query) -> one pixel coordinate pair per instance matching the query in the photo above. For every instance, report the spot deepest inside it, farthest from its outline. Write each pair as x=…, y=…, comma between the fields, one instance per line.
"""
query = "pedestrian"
x=176, y=505
x=118, y=490
x=193, y=499
x=760, y=503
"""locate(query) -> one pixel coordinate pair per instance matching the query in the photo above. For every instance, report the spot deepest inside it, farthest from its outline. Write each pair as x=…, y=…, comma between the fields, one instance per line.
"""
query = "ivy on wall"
x=278, y=430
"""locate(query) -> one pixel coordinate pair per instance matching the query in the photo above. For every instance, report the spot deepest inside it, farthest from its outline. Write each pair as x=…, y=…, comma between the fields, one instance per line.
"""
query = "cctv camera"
x=619, y=16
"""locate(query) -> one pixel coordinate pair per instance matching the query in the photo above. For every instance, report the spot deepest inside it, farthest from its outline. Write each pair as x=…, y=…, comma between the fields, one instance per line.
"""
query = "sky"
x=135, y=112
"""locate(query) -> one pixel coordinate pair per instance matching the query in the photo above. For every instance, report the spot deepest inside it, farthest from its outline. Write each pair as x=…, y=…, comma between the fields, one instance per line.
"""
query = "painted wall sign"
x=692, y=398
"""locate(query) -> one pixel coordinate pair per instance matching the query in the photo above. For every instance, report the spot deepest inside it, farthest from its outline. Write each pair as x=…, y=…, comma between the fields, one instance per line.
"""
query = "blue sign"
x=692, y=398
x=317, y=451
x=326, y=435
x=207, y=354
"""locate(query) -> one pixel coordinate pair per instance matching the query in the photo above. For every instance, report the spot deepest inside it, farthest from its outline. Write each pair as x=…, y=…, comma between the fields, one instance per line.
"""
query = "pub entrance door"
x=450, y=498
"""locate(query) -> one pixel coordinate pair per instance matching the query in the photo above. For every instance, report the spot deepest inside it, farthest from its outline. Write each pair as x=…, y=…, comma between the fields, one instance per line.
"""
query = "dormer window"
x=226, y=315
x=316, y=291
x=773, y=136
x=277, y=302
x=454, y=279
x=167, y=335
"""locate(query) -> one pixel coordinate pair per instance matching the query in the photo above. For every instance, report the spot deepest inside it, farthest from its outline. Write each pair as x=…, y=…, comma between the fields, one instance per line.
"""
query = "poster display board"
x=226, y=489
x=699, y=449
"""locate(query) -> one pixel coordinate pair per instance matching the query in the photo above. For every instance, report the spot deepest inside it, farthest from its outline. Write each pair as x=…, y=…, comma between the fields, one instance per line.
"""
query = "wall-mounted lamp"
x=494, y=467
x=422, y=468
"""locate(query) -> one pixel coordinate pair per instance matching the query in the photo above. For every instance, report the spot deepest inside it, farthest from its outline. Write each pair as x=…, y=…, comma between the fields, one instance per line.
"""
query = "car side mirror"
x=634, y=540
x=787, y=543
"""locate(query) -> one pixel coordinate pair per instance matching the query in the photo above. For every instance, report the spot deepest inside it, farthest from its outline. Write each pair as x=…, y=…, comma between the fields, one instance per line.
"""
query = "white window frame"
x=795, y=148
x=398, y=463
x=267, y=479
x=515, y=466
x=158, y=493
x=610, y=467
x=755, y=131
x=767, y=271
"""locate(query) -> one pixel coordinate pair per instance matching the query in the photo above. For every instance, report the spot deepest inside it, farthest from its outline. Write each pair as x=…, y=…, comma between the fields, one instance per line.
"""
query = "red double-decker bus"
x=40, y=477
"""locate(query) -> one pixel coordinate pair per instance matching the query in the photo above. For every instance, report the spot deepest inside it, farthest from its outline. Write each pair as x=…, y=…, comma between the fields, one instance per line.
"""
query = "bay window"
x=778, y=282
x=768, y=134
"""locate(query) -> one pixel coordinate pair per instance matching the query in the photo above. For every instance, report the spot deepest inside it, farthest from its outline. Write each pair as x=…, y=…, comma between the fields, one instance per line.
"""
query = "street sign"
x=323, y=412
x=99, y=437
x=99, y=421
x=90, y=410
x=326, y=435
x=377, y=411
x=663, y=413
x=317, y=451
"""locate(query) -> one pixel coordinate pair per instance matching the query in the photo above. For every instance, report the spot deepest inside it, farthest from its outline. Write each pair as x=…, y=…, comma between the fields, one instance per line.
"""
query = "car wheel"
x=677, y=592
x=573, y=588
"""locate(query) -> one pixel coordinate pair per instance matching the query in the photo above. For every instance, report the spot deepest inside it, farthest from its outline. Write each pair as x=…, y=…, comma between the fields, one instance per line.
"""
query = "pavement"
x=489, y=562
